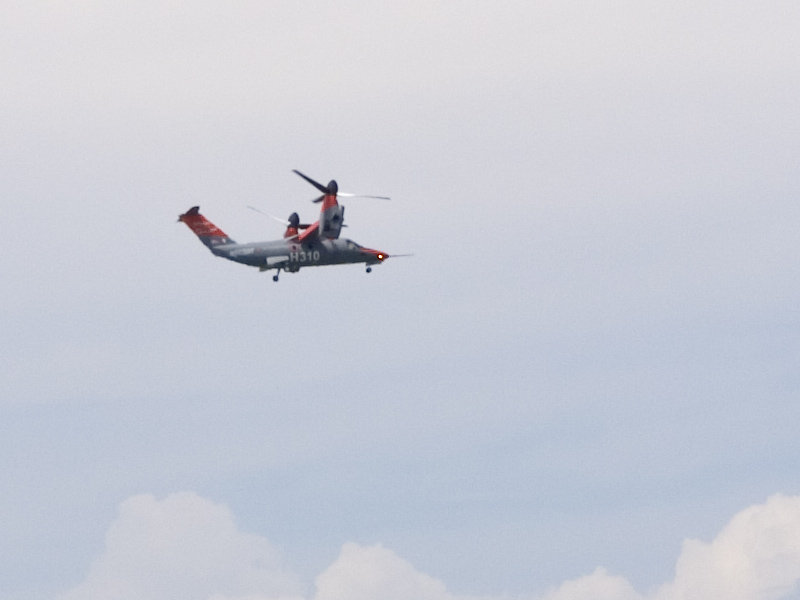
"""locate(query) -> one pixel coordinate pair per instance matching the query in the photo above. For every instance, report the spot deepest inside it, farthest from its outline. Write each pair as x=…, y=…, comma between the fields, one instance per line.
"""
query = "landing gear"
x=369, y=269
x=275, y=277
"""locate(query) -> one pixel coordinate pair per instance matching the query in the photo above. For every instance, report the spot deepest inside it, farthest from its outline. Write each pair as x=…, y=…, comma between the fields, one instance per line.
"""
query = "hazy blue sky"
x=584, y=384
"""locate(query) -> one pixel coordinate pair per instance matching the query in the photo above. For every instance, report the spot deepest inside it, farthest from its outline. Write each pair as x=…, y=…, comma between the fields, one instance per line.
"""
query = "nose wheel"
x=369, y=269
x=275, y=277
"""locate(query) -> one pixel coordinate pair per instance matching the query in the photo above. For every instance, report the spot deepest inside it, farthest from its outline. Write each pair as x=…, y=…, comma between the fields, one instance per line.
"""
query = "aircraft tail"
x=209, y=234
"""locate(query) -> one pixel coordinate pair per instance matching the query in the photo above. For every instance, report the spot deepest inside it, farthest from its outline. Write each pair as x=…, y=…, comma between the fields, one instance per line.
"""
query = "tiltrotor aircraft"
x=303, y=245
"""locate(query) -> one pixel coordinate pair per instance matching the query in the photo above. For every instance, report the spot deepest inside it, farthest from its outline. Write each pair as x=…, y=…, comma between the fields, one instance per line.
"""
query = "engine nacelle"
x=331, y=221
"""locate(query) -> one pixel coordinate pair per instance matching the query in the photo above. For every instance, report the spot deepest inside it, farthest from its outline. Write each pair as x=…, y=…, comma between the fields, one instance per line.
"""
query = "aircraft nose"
x=376, y=254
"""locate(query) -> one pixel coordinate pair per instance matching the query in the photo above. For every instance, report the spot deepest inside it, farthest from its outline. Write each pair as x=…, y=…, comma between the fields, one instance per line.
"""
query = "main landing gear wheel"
x=369, y=269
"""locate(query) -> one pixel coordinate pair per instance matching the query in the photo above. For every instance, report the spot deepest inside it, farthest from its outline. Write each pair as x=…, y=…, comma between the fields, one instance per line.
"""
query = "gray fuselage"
x=291, y=255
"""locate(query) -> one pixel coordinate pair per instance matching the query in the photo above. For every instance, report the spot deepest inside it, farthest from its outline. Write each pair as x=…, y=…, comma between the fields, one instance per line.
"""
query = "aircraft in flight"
x=303, y=245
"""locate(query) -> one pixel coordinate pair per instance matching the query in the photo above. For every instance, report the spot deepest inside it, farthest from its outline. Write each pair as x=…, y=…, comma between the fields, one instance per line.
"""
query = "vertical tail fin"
x=209, y=234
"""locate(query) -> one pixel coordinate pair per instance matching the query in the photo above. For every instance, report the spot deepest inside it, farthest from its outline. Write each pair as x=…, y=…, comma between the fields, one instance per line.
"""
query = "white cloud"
x=367, y=573
x=597, y=586
x=183, y=547
x=188, y=547
x=755, y=557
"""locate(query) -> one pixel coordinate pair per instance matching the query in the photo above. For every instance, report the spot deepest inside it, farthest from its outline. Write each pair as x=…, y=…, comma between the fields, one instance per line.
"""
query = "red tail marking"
x=200, y=225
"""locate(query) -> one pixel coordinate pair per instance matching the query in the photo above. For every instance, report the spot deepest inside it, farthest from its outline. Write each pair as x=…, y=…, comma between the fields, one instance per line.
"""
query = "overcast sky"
x=583, y=385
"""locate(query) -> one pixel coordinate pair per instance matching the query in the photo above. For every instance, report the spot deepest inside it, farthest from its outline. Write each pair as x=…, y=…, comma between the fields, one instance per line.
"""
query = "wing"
x=310, y=234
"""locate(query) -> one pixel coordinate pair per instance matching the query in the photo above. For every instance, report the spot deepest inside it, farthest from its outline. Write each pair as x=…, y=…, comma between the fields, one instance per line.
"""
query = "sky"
x=582, y=385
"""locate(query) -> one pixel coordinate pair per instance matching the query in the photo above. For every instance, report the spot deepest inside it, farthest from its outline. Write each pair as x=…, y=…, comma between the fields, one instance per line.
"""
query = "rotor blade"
x=278, y=219
x=258, y=210
x=316, y=184
x=347, y=195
